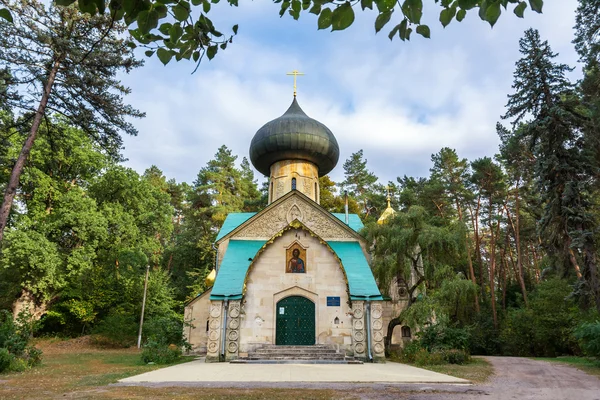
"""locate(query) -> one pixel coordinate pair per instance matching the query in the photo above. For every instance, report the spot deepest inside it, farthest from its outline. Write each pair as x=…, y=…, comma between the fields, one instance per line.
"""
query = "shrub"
x=409, y=352
x=589, y=336
x=116, y=330
x=455, y=356
x=33, y=356
x=5, y=359
x=443, y=336
x=424, y=357
x=159, y=353
x=18, y=365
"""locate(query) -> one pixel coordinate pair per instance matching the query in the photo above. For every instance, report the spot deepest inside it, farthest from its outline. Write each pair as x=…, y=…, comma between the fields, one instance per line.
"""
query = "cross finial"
x=389, y=198
x=295, y=73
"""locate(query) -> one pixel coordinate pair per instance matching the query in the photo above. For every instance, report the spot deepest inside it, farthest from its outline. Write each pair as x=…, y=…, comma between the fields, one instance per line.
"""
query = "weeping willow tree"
x=412, y=251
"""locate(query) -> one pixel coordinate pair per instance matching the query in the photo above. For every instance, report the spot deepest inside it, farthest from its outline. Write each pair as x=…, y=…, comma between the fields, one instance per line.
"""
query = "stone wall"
x=196, y=314
x=267, y=283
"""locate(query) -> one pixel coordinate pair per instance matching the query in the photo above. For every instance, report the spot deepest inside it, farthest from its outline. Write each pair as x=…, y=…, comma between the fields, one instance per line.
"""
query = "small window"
x=316, y=192
x=206, y=325
x=271, y=190
x=293, y=183
x=406, y=332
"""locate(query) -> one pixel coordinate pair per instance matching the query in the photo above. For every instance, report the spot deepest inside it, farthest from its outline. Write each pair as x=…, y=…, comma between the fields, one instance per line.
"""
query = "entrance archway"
x=295, y=321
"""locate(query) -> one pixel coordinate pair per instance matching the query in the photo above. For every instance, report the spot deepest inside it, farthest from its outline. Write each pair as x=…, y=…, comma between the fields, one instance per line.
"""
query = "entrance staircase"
x=316, y=354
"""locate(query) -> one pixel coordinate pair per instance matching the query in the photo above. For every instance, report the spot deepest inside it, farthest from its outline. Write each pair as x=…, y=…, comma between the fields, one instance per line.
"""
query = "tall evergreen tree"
x=359, y=180
x=563, y=169
x=65, y=62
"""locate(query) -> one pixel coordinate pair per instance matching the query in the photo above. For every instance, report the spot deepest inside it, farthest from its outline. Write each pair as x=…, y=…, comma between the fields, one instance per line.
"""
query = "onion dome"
x=209, y=281
x=294, y=136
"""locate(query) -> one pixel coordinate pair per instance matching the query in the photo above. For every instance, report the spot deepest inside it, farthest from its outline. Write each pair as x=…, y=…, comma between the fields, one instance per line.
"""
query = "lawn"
x=477, y=371
x=588, y=365
x=75, y=370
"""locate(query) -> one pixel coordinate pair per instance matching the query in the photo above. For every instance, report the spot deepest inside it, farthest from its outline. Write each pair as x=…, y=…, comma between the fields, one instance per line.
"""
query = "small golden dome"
x=210, y=278
x=388, y=212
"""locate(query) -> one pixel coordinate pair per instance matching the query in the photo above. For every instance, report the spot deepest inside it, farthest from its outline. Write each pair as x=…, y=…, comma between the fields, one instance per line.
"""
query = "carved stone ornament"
x=358, y=313
x=233, y=335
x=214, y=324
x=234, y=324
x=378, y=336
x=358, y=325
x=378, y=348
x=377, y=324
x=234, y=311
x=359, y=336
x=276, y=219
x=215, y=310
x=213, y=335
x=232, y=347
x=377, y=312
x=213, y=347
x=359, y=348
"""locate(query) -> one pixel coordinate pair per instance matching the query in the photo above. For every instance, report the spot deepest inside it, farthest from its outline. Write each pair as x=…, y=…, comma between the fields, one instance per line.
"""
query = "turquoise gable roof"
x=354, y=221
x=238, y=257
x=232, y=221
x=232, y=272
x=360, y=278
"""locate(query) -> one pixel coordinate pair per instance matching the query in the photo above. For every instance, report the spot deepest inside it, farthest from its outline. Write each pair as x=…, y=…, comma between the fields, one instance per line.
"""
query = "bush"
x=116, y=330
x=589, y=336
x=5, y=359
x=455, y=356
x=424, y=357
x=443, y=336
x=158, y=353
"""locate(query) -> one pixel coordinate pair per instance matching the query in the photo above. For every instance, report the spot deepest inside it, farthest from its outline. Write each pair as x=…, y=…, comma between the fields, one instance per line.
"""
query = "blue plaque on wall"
x=333, y=301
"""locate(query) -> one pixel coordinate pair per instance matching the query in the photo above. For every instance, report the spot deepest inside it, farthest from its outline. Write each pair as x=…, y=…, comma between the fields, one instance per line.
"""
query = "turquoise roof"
x=354, y=221
x=232, y=272
x=232, y=221
x=239, y=254
x=360, y=278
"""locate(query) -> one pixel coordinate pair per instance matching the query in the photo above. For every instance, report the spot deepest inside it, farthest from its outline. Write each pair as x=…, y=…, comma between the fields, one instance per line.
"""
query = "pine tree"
x=65, y=62
x=563, y=169
x=359, y=181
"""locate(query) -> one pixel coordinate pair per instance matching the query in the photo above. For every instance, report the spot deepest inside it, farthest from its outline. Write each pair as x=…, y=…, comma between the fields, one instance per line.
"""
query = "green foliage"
x=159, y=353
x=165, y=340
x=116, y=330
x=441, y=336
x=455, y=356
x=5, y=359
x=15, y=353
x=589, y=336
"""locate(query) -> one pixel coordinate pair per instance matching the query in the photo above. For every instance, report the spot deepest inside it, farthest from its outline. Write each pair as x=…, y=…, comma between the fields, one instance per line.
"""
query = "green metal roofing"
x=232, y=221
x=354, y=221
x=232, y=272
x=238, y=257
x=360, y=278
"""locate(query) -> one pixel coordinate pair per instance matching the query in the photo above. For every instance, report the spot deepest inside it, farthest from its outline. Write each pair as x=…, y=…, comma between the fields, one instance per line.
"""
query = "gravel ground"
x=515, y=378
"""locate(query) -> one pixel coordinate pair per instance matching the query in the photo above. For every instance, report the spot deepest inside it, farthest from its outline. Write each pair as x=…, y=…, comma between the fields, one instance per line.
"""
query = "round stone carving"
x=378, y=348
x=359, y=336
x=234, y=312
x=234, y=323
x=358, y=325
x=378, y=336
x=359, y=348
x=213, y=335
x=376, y=313
x=233, y=335
x=358, y=313
x=214, y=324
x=213, y=347
x=215, y=311
x=377, y=324
x=232, y=347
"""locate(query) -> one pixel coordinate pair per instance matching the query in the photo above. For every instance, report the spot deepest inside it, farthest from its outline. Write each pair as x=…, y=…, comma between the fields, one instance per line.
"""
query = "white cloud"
x=400, y=102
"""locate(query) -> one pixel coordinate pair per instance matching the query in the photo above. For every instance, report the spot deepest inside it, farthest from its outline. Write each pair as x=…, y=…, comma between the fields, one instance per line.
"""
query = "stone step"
x=303, y=351
x=340, y=357
x=246, y=361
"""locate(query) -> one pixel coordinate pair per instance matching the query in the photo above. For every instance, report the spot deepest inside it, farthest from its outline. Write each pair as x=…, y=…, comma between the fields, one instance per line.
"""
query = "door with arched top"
x=295, y=321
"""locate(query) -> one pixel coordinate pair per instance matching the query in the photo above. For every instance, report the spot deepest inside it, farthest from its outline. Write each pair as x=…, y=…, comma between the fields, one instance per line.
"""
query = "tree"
x=66, y=63
x=359, y=181
x=195, y=37
x=563, y=169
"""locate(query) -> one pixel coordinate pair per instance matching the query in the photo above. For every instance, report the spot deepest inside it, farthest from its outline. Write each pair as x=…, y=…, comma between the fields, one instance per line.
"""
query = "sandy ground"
x=515, y=378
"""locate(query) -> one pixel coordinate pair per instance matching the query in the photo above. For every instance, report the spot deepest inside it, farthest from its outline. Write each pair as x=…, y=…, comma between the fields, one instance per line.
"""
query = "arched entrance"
x=295, y=321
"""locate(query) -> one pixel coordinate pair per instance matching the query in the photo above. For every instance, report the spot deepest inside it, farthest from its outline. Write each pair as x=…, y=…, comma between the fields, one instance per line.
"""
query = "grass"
x=588, y=365
x=477, y=371
x=82, y=371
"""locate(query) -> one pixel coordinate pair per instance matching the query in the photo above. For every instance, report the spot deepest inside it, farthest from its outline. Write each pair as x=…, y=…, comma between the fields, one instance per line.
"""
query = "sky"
x=400, y=102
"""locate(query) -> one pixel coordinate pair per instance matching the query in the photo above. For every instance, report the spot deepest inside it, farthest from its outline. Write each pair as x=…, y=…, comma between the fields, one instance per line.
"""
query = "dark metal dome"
x=294, y=136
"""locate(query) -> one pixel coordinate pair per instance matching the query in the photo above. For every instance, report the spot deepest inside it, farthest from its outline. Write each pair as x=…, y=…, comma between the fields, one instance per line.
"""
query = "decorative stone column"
x=377, y=345
x=359, y=342
x=233, y=331
x=213, y=346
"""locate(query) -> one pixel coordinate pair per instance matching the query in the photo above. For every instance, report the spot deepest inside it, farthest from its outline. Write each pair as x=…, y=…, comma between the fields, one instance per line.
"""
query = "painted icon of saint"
x=296, y=264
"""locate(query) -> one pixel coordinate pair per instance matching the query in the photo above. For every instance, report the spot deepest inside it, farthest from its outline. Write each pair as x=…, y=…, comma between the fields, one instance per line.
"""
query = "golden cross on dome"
x=389, y=198
x=295, y=73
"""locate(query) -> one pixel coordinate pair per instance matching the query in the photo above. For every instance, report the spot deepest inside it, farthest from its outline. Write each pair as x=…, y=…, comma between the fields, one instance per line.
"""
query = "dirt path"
x=524, y=379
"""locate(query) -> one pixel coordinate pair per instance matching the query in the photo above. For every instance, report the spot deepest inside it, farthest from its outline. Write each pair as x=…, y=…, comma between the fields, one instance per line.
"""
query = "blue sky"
x=398, y=101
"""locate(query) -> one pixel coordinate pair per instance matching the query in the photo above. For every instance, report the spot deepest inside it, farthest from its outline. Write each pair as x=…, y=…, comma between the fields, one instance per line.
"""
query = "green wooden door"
x=295, y=323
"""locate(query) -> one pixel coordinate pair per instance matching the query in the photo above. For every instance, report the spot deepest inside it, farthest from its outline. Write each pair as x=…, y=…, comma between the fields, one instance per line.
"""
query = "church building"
x=293, y=273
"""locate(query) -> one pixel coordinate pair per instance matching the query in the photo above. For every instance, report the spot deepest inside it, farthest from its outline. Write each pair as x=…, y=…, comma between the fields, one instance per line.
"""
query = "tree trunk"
x=492, y=267
x=15, y=176
x=469, y=258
